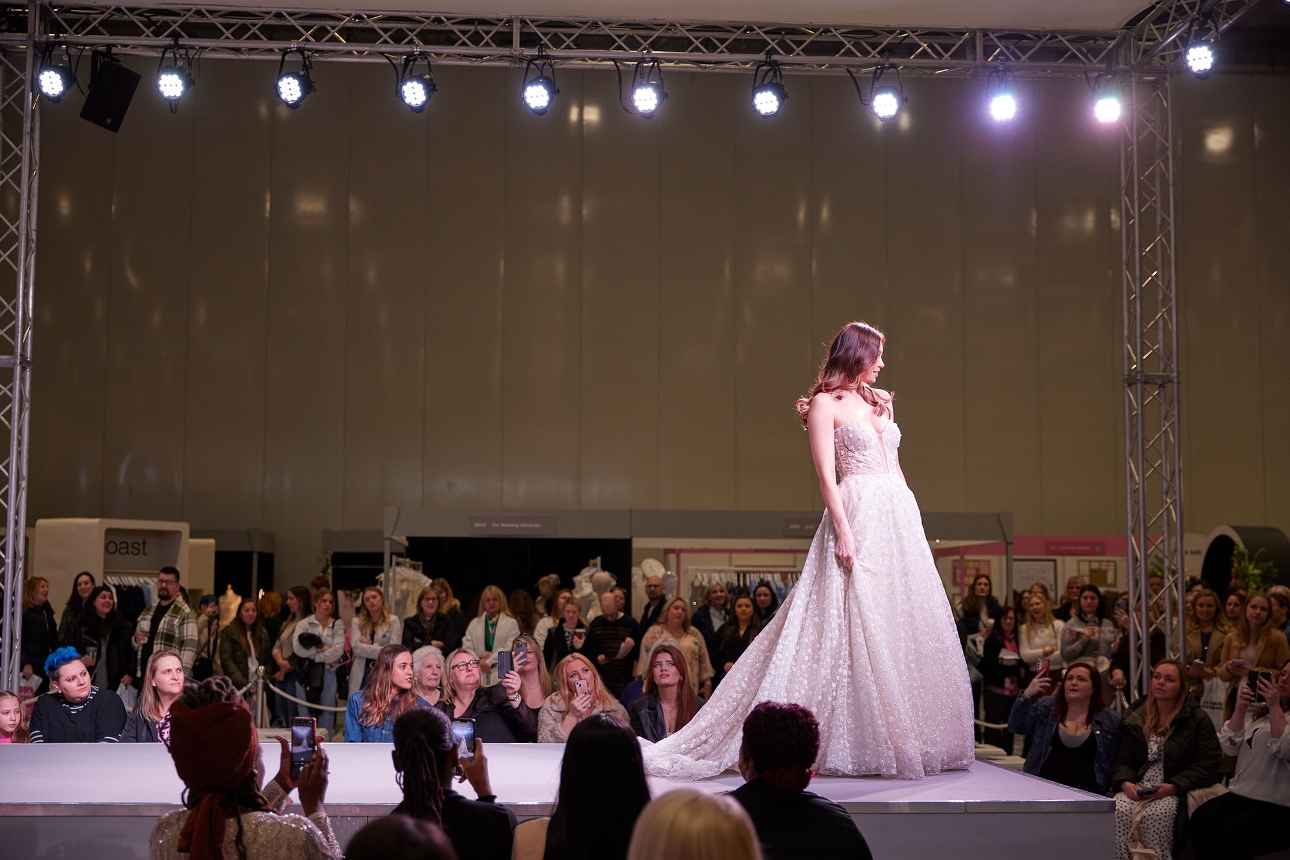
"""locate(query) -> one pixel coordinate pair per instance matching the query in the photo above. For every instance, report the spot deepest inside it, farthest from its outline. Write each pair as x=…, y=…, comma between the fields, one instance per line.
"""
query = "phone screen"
x=302, y=743
x=1147, y=789
x=463, y=732
x=505, y=664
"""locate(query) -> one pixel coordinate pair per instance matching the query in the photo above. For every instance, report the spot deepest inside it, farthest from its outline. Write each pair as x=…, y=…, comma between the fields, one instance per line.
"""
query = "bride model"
x=866, y=639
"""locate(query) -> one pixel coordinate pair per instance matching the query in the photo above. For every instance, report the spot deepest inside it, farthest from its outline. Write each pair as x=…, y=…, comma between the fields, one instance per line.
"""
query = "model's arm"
x=819, y=425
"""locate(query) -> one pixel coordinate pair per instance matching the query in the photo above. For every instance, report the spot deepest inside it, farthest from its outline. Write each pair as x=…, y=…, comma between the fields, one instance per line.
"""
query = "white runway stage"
x=100, y=802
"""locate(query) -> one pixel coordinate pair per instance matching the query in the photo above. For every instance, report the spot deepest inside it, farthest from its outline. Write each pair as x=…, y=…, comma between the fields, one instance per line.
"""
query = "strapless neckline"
x=866, y=421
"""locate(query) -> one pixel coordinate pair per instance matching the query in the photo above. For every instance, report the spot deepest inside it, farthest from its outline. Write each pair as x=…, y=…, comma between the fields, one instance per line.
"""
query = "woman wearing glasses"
x=500, y=712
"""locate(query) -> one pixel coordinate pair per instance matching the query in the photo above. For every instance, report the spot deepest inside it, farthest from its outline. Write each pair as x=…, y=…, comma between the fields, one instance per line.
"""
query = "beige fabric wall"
x=255, y=317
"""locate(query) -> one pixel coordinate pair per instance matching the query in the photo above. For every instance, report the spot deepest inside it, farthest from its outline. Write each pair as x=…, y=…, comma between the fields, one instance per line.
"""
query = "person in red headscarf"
x=217, y=754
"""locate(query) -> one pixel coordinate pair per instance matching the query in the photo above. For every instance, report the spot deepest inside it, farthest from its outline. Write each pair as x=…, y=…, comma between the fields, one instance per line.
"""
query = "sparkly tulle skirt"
x=873, y=653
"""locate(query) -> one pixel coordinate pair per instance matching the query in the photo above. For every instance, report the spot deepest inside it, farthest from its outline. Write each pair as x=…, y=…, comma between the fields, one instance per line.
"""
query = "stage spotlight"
x=1001, y=88
x=294, y=86
x=1106, y=96
x=1107, y=108
x=540, y=90
x=886, y=103
x=885, y=100
x=1200, y=60
x=646, y=88
x=1199, y=52
x=415, y=89
x=768, y=93
x=174, y=79
x=54, y=79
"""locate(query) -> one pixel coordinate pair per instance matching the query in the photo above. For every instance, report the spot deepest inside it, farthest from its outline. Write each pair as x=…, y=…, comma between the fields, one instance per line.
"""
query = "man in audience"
x=654, y=600
x=613, y=642
x=778, y=751
x=168, y=624
x=76, y=712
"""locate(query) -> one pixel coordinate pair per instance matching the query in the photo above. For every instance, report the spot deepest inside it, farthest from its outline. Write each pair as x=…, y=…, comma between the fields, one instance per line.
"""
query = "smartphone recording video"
x=463, y=732
x=303, y=743
x=505, y=664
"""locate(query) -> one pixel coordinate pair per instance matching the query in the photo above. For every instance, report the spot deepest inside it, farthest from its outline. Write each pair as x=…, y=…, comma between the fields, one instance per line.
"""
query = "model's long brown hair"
x=382, y=700
x=855, y=349
x=686, y=705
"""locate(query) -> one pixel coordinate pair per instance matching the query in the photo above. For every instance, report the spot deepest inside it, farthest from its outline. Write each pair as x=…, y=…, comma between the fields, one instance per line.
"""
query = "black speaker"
x=112, y=87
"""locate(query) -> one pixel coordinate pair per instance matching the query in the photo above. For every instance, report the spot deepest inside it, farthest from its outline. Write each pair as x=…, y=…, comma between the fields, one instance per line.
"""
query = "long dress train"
x=873, y=653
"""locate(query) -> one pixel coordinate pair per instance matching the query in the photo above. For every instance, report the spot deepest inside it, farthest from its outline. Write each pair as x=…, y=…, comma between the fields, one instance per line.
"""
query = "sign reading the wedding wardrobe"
x=527, y=524
x=803, y=527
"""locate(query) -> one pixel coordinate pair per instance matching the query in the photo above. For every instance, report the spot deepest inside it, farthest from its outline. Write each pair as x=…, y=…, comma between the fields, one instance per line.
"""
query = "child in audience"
x=12, y=731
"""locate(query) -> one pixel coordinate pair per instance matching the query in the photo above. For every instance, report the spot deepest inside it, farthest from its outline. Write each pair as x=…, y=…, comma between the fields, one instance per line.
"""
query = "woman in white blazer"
x=493, y=631
x=371, y=630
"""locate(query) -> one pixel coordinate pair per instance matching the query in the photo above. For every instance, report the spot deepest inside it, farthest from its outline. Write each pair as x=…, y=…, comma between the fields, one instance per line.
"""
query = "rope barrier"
x=292, y=698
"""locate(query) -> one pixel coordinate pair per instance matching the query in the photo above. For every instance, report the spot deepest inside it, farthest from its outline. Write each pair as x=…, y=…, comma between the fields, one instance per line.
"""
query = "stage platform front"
x=101, y=801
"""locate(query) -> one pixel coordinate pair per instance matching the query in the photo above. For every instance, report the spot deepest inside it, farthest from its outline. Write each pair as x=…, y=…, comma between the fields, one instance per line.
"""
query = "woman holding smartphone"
x=578, y=694
x=568, y=638
x=1254, y=645
x=500, y=713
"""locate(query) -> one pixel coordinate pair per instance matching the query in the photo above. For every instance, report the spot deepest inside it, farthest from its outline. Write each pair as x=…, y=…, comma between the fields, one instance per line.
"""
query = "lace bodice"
x=859, y=449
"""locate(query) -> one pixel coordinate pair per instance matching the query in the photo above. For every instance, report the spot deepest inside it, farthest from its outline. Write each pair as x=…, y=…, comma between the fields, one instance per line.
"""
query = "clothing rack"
x=133, y=590
x=695, y=579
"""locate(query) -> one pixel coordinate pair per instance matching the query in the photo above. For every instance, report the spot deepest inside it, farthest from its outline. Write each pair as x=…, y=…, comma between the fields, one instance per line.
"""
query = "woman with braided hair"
x=780, y=746
x=216, y=751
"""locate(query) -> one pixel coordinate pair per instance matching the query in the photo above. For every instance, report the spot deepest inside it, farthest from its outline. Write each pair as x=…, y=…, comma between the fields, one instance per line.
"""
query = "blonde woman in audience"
x=1040, y=636
x=1071, y=601
x=446, y=601
x=535, y=680
x=551, y=619
x=1206, y=630
x=427, y=675
x=675, y=625
x=373, y=627
x=578, y=694
x=1254, y=645
x=493, y=630
x=163, y=682
x=687, y=824
x=12, y=731
x=319, y=642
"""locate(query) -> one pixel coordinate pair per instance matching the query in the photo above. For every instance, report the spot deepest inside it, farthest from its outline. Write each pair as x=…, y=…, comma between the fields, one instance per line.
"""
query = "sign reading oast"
x=140, y=550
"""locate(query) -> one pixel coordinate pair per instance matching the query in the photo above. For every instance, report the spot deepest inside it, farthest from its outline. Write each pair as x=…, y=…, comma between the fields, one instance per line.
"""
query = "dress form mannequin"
x=228, y=603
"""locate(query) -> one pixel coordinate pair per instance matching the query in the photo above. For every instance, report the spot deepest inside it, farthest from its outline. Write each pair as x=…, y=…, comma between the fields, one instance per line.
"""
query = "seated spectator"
x=613, y=642
x=1073, y=733
x=371, y=712
x=163, y=682
x=765, y=603
x=1001, y=673
x=1040, y=635
x=578, y=694
x=1167, y=744
x=106, y=639
x=602, y=792
x=12, y=731
x=244, y=646
x=535, y=680
x=667, y=702
x=427, y=675
x=493, y=630
x=675, y=625
x=425, y=759
x=552, y=619
x=567, y=638
x=711, y=616
x=216, y=751
x=687, y=824
x=977, y=608
x=776, y=760
x=523, y=609
x=76, y=712
x=1071, y=600
x=433, y=625
x=400, y=837
x=1089, y=634
x=1253, y=645
x=501, y=716
x=373, y=627
x=736, y=636
x=1250, y=819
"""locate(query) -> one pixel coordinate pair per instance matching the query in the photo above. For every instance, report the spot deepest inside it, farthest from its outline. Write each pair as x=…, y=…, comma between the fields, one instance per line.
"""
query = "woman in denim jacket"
x=371, y=712
x=1073, y=735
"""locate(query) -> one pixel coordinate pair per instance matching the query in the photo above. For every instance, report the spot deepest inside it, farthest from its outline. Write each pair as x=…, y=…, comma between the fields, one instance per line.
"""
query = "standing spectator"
x=39, y=628
x=765, y=603
x=208, y=630
x=372, y=629
x=1001, y=670
x=613, y=641
x=1206, y=630
x=602, y=792
x=371, y=712
x=523, y=610
x=104, y=636
x=1071, y=601
x=447, y=602
x=1234, y=607
x=1040, y=635
x=675, y=625
x=319, y=642
x=1168, y=744
x=551, y=620
x=578, y=694
x=163, y=682
x=1253, y=645
x=82, y=585
x=427, y=676
x=736, y=636
x=687, y=824
x=76, y=712
x=244, y=645
x=667, y=702
x=299, y=604
x=1074, y=734
x=1089, y=634
x=655, y=592
x=433, y=625
x=216, y=752
x=978, y=607
x=620, y=597
x=568, y=638
x=493, y=630
x=270, y=606
x=12, y=731
x=425, y=758
x=1279, y=598
x=1250, y=819
x=710, y=617
x=499, y=711
x=776, y=760
x=167, y=624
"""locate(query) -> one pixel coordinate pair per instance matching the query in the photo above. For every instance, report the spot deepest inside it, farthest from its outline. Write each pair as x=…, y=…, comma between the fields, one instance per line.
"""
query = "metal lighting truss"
x=1140, y=53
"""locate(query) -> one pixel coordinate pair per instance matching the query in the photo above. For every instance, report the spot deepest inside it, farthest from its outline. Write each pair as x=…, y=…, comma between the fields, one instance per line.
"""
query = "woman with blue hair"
x=77, y=712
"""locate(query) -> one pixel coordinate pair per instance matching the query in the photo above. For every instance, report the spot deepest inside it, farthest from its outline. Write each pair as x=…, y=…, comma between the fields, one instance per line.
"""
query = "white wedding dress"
x=873, y=653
